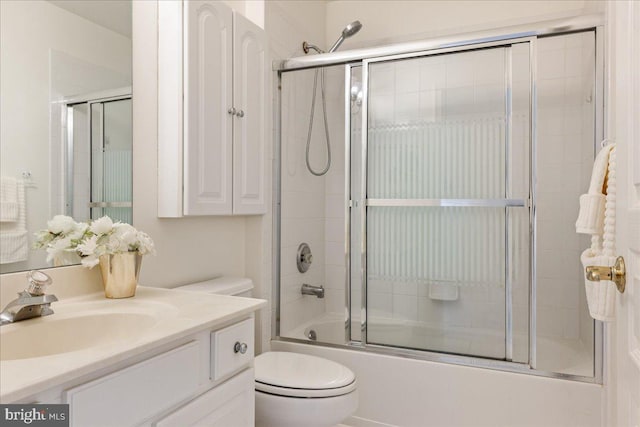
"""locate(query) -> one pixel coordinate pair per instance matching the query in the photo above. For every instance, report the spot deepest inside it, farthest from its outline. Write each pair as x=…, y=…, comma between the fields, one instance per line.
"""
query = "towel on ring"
x=597, y=217
x=14, y=239
x=591, y=216
x=8, y=199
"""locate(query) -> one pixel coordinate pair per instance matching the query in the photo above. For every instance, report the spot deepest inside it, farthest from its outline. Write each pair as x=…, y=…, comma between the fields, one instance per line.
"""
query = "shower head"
x=348, y=31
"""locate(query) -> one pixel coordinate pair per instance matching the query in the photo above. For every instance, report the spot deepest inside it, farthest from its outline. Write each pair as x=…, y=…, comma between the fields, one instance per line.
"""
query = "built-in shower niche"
x=439, y=236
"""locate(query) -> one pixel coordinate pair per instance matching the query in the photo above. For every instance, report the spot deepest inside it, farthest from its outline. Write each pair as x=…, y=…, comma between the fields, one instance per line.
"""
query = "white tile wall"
x=312, y=207
x=565, y=154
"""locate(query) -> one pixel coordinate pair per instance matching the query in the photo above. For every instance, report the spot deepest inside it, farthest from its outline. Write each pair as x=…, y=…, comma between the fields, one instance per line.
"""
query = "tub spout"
x=313, y=290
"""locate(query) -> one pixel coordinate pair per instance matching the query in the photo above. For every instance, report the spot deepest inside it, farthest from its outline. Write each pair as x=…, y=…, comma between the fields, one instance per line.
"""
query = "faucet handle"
x=38, y=281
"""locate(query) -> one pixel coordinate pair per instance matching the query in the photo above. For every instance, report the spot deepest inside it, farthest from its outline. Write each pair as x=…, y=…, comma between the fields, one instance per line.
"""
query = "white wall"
x=194, y=248
x=387, y=21
x=189, y=249
x=48, y=53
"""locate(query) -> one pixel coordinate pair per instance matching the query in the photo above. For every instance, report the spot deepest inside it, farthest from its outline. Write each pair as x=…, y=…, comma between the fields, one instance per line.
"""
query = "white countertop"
x=168, y=314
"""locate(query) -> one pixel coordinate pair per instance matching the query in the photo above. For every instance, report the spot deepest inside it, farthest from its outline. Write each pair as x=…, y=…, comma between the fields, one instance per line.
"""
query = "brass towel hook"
x=617, y=274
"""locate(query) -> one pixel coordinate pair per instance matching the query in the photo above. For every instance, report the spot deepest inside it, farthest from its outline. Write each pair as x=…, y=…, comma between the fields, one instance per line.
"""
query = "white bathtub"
x=553, y=354
x=330, y=328
x=398, y=391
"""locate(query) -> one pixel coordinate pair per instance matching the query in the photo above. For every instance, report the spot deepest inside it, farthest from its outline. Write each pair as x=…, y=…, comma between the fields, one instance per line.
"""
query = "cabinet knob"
x=239, y=347
x=240, y=113
x=231, y=111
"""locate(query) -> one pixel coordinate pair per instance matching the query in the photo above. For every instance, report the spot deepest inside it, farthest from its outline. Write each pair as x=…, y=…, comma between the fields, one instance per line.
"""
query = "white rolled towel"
x=591, y=216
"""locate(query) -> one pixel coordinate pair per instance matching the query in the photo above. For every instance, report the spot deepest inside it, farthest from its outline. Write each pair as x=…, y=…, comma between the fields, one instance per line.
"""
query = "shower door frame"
x=362, y=59
x=67, y=104
x=497, y=203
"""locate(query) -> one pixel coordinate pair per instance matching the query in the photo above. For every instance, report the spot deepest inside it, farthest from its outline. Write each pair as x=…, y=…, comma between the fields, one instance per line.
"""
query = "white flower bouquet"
x=65, y=239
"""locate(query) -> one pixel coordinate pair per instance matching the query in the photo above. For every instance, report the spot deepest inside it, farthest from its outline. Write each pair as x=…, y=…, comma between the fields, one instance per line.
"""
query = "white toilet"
x=292, y=389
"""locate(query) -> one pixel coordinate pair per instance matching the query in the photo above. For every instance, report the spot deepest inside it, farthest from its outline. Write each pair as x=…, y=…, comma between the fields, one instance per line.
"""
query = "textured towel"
x=9, y=210
x=14, y=241
x=597, y=217
x=591, y=216
x=601, y=296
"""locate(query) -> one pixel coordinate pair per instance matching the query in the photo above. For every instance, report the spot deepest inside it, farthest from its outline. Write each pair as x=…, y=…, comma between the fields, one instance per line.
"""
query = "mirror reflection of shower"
x=347, y=32
x=98, y=165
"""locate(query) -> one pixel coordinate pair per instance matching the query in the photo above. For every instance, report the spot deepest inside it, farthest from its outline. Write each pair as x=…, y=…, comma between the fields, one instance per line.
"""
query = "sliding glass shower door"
x=111, y=160
x=98, y=163
x=445, y=197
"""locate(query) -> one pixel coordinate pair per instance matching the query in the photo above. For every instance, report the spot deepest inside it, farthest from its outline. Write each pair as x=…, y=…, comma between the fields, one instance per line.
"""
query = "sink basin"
x=48, y=336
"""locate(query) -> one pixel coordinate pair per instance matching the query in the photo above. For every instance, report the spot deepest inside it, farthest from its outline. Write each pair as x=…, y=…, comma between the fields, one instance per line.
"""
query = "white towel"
x=591, y=216
x=8, y=199
x=14, y=241
x=597, y=217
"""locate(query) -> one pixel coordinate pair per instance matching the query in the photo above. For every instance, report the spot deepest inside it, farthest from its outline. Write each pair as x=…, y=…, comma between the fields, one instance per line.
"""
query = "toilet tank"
x=225, y=285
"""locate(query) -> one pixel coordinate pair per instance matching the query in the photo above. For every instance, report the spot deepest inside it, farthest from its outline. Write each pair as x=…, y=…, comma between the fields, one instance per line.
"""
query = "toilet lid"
x=294, y=374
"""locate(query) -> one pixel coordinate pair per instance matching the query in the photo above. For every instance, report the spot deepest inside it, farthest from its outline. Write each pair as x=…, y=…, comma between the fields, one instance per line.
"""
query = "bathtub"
x=553, y=354
x=400, y=391
x=330, y=328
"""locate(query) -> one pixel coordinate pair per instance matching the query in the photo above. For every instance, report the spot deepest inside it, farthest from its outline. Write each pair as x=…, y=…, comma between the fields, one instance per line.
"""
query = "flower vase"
x=120, y=274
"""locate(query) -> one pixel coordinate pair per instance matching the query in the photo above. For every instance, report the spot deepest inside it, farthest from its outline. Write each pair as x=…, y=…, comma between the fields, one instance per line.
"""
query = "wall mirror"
x=65, y=114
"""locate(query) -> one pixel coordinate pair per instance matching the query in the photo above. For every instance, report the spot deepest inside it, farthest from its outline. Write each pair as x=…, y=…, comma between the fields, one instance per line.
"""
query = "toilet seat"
x=301, y=375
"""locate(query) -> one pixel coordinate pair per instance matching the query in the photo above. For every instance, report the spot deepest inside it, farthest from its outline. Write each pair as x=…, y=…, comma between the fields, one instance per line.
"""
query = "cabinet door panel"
x=231, y=404
x=127, y=397
x=250, y=96
x=207, y=99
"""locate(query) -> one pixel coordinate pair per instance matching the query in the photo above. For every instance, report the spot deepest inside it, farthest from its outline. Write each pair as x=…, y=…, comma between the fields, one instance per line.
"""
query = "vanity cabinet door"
x=128, y=397
x=231, y=404
x=250, y=128
x=207, y=100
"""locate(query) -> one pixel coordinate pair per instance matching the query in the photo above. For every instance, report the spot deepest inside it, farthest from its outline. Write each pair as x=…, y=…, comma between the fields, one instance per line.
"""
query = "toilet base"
x=280, y=411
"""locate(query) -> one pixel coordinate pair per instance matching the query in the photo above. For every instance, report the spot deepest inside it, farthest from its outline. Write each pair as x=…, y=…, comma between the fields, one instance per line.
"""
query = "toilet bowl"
x=295, y=390
x=292, y=389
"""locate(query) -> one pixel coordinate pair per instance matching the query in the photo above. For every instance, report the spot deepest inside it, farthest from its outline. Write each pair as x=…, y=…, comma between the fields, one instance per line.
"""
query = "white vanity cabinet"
x=212, y=99
x=206, y=379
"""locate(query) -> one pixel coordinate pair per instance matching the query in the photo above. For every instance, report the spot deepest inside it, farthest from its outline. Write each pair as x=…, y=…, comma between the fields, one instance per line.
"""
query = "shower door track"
x=358, y=58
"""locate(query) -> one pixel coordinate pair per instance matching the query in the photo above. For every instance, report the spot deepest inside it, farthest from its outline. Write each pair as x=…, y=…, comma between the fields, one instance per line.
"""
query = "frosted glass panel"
x=118, y=185
x=111, y=160
x=456, y=159
x=443, y=272
x=437, y=126
x=443, y=278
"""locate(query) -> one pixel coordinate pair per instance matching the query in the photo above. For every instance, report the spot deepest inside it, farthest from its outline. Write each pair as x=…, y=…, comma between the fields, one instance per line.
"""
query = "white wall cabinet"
x=212, y=99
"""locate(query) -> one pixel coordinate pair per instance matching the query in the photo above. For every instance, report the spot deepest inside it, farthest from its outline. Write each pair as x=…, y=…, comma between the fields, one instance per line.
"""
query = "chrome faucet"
x=32, y=302
x=313, y=290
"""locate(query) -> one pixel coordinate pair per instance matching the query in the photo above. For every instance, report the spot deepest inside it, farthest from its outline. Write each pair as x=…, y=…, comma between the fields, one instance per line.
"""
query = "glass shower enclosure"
x=98, y=162
x=443, y=229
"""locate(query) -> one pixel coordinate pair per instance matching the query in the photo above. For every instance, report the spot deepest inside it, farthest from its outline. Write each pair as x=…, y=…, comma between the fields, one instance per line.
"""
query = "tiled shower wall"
x=312, y=206
x=565, y=153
